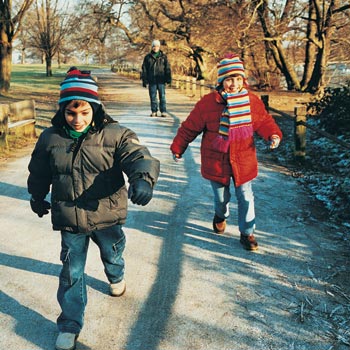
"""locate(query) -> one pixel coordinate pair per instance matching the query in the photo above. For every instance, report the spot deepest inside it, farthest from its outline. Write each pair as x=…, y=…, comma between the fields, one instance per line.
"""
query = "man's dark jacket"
x=156, y=70
x=88, y=190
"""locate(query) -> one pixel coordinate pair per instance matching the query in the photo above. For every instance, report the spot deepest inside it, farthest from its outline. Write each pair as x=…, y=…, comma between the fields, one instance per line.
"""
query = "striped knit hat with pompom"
x=78, y=85
x=230, y=65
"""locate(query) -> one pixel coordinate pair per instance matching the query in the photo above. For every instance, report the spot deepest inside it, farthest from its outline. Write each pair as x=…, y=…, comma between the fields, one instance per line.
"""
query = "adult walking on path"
x=187, y=287
x=156, y=73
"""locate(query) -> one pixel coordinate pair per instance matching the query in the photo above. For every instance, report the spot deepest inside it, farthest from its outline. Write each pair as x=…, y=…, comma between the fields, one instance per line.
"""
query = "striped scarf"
x=235, y=121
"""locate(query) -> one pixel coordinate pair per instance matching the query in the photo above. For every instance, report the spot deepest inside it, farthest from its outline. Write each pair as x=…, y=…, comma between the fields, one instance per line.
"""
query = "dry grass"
x=29, y=82
x=17, y=147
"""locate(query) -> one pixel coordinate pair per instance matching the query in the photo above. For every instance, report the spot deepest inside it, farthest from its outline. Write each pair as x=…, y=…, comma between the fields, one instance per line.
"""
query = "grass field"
x=33, y=76
x=29, y=82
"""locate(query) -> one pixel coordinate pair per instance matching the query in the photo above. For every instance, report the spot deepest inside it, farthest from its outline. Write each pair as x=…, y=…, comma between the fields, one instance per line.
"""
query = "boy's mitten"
x=40, y=207
x=140, y=192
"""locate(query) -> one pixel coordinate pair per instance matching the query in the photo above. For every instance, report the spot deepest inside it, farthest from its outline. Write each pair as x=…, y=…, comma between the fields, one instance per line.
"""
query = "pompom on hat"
x=229, y=65
x=79, y=85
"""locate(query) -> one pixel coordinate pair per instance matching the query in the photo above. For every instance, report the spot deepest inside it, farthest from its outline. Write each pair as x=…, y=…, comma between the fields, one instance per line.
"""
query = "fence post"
x=194, y=87
x=300, y=133
x=265, y=99
x=182, y=83
x=201, y=89
x=187, y=86
x=4, y=118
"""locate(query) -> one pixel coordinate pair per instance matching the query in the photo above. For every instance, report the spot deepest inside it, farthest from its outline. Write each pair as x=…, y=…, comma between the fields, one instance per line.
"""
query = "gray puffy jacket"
x=88, y=190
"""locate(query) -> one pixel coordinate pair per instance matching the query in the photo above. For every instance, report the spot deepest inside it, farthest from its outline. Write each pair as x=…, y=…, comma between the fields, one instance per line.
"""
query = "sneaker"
x=153, y=114
x=117, y=289
x=66, y=341
x=164, y=115
x=219, y=225
x=248, y=242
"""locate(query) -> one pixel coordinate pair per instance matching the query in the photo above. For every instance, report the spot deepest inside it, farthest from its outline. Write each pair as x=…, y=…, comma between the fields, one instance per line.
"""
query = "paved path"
x=186, y=287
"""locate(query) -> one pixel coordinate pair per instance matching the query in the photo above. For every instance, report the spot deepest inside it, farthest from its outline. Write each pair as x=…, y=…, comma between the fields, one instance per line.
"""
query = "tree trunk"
x=310, y=50
x=23, y=56
x=286, y=67
x=48, y=60
x=59, y=59
x=322, y=38
x=320, y=29
x=5, y=65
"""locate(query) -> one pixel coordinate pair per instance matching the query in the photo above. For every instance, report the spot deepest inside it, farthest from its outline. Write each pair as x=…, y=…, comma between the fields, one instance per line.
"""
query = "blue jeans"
x=245, y=203
x=153, y=89
x=71, y=293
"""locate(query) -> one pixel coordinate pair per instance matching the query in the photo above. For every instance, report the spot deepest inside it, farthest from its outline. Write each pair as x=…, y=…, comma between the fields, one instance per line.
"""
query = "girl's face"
x=78, y=115
x=233, y=84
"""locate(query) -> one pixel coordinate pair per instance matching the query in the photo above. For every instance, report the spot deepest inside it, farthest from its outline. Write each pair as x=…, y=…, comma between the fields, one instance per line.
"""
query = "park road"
x=187, y=288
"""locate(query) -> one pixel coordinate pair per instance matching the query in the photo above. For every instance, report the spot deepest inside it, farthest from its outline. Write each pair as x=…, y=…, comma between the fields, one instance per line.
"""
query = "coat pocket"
x=216, y=163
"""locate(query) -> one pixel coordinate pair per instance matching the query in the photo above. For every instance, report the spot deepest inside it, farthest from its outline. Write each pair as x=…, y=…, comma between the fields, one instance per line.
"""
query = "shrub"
x=333, y=110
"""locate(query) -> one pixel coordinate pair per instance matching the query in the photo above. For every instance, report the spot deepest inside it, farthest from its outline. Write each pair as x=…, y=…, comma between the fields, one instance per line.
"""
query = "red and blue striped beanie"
x=229, y=65
x=79, y=85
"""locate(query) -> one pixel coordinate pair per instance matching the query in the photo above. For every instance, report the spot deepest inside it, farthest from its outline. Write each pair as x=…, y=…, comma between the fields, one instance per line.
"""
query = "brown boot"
x=219, y=225
x=248, y=242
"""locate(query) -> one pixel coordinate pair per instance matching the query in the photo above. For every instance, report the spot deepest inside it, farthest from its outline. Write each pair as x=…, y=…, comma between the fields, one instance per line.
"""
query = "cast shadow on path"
x=30, y=325
x=25, y=318
x=179, y=187
x=188, y=224
x=45, y=268
x=13, y=191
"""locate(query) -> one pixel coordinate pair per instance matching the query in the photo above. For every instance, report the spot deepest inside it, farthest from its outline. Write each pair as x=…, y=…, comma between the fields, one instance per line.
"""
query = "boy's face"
x=233, y=84
x=78, y=115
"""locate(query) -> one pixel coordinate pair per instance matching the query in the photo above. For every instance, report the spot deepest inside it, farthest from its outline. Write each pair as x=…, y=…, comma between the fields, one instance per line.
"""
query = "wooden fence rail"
x=300, y=125
x=300, y=128
x=17, y=119
x=191, y=86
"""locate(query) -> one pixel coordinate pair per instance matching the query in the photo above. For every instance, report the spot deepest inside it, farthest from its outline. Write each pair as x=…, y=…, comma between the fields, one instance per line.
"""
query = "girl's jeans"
x=153, y=89
x=245, y=203
x=71, y=293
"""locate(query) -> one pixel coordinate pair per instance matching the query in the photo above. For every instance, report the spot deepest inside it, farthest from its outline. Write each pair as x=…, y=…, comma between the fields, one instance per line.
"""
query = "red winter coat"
x=240, y=162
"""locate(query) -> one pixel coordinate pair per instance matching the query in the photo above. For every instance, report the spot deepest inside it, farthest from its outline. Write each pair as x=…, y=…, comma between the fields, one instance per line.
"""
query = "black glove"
x=40, y=207
x=140, y=192
x=144, y=84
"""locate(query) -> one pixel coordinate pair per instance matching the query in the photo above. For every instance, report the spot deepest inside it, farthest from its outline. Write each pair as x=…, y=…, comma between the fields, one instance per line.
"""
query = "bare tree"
x=292, y=38
x=175, y=23
x=10, y=26
x=195, y=32
x=49, y=29
x=23, y=40
x=315, y=22
x=99, y=27
x=22, y=45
